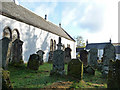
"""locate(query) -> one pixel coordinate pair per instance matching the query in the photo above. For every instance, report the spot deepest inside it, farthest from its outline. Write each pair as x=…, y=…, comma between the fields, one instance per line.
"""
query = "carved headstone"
x=4, y=50
x=50, y=58
x=84, y=57
x=67, y=55
x=33, y=62
x=75, y=68
x=89, y=70
x=108, y=54
x=114, y=74
x=40, y=53
x=58, y=61
x=17, y=51
x=93, y=57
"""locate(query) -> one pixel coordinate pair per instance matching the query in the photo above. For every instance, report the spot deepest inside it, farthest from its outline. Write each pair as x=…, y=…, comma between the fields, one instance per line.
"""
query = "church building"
x=36, y=33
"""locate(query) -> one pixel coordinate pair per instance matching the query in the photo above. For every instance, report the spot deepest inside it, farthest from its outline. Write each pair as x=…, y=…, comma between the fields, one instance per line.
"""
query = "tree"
x=80, y=42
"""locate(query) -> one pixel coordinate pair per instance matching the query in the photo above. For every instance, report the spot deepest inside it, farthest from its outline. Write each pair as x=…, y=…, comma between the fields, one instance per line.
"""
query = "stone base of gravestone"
x=58, y=63
x=6, y=84
x=99, y=67
x=89, y=70
x=114, y=74
x=105, y=69
x=17, y=64
x=75, y=68
x=67, y=60
x=33, y=62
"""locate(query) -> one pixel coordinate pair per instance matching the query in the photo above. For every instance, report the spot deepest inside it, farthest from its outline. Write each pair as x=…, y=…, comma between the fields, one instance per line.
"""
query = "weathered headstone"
x=58, y=61
x=33, y=62
x=89, y=70
x=84, y=57
x=93, y=57
x=6, y=83
x=108, y=54
x=75, y=68
x=40, y=53
x=16, y=52
x=50, y=58
x=114, y=74
x=67, y=58
x=4, y=50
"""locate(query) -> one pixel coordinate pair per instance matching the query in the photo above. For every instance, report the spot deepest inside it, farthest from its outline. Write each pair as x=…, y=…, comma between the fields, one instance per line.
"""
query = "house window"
x=51, y=45
x=15, y=34
x=7, y=33
x=54, y=45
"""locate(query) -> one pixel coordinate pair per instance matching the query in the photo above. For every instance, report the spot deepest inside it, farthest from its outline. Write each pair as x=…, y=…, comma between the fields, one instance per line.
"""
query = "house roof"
x=102, y=46
x=79, y=49
x=22, y=14
x=97, y=45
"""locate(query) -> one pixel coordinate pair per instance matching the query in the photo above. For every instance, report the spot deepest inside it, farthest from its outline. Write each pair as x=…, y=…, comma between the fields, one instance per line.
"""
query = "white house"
x=36, y=33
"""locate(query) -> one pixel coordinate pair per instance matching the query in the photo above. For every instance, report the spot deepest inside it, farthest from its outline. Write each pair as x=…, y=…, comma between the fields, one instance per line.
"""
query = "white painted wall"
x=118, y=56
x=34, y=38
x=100, y=53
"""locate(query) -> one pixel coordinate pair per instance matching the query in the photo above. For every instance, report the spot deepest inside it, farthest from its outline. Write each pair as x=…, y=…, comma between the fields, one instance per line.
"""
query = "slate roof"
x=102, y=46
x=79, y=49
x=96, y=45
x=22, y=14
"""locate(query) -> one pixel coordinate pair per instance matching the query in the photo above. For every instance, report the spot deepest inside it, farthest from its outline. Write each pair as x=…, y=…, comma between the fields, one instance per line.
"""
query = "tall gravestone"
x=75, y=68
x=50, y=58
x=84, y=57
x=40, y=53
x=108, y=54
x=93, y=57
x=17, y=51
x=4, y=50
x=114, y=74
x=67, y=58
x=58, y=60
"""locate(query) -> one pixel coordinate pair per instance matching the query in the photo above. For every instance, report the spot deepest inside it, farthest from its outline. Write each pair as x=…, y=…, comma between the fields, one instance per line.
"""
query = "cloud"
x=45, y=8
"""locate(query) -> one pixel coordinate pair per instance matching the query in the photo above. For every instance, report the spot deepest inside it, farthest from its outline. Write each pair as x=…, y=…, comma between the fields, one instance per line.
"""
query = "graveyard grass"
x=26, y=78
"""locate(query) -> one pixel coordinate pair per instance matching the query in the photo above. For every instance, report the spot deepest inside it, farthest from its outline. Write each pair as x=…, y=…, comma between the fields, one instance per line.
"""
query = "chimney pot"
x=45, y=16
x=59, y=24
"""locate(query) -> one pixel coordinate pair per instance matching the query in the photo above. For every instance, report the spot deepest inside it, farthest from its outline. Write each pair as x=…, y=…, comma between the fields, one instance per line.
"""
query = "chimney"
x=110, y=40
x=45, y=16
x=86, y=41
x=60, y=25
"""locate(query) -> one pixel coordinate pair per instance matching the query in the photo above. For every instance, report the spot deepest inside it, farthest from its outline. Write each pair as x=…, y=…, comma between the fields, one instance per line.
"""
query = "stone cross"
x=58, y=61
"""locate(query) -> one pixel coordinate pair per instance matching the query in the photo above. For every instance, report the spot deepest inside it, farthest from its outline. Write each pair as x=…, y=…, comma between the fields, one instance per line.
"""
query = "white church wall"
x=118, y=56
x=34, y=38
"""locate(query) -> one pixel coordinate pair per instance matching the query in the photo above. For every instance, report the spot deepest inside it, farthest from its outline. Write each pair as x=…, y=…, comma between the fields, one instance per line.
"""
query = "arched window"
x=51, y=45
x=15, y=34
x=54, y=45
x=7, y=33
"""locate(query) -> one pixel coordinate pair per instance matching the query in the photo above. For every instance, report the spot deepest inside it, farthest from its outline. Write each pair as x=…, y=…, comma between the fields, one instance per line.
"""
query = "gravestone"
x=50, y=58
x=58, y=60
x=67, y=55
x=33, y=62
x=84, y=57
x=6, y=83
x=93, y=53
x=114, y=74
x=17, y=52
x=40, y=53
x=4, y=50
x=75, y=68
x=89, y=70
x=108, y=54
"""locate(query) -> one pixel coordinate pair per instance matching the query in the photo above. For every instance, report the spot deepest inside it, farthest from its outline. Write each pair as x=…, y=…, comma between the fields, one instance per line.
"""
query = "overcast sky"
x=95, y=20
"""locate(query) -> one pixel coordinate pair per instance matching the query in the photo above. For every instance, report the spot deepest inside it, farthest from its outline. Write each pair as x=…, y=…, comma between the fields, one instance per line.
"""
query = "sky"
x=95, y=20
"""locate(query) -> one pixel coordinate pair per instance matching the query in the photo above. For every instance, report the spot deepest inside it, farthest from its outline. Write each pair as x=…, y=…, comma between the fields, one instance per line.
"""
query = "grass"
x=25, y=78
